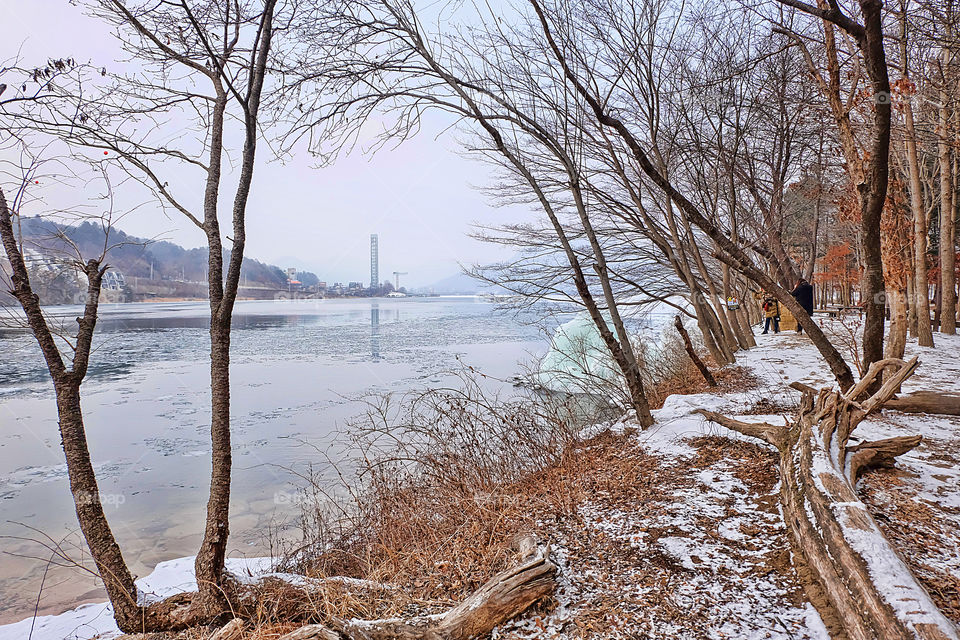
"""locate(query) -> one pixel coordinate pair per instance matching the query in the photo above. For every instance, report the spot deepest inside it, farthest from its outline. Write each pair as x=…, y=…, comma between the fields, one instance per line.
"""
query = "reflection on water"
x=132, y=334
x=374, y=331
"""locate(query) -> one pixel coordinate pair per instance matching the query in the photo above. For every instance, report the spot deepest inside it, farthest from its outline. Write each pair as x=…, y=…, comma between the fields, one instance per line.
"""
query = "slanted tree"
x=727, y=250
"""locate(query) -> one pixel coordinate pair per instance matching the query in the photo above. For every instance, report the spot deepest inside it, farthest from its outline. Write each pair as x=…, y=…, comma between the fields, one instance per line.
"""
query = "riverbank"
x=675, y=532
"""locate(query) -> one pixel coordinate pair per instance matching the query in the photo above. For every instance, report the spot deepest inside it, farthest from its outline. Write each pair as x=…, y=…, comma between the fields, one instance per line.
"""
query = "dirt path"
x=689, y=548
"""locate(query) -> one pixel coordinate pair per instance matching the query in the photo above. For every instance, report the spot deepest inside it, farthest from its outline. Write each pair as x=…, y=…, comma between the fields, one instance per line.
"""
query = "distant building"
x=321, y=285
x=355, y=285
x=292, y=274
x=374, y=260
x=113, y=281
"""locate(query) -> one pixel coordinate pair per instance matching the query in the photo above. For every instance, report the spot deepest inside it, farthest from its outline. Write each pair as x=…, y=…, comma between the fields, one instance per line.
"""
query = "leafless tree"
x=204, y=68
x=390, y=66
x=595, y=88
x=869, y=175
x=67, y=353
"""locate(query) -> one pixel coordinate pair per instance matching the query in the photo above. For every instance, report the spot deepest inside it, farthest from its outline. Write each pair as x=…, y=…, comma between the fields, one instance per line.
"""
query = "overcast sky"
x=420, y=197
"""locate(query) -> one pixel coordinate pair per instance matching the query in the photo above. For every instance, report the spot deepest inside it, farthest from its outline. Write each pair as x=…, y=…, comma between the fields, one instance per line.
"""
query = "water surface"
x=298, y=367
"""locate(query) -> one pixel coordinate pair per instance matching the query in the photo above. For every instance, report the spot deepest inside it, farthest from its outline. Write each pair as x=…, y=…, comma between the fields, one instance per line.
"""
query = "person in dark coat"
x=803, y=293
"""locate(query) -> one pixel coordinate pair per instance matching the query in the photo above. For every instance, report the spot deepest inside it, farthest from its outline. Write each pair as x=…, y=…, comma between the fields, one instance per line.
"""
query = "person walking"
x=771, y=311
x=803, y=293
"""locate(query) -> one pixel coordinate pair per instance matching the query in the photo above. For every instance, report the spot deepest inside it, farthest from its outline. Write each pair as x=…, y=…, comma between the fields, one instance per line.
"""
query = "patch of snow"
x=90, y=621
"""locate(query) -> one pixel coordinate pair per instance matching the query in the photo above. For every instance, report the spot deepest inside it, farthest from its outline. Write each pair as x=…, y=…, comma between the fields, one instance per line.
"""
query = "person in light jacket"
x=771, y=311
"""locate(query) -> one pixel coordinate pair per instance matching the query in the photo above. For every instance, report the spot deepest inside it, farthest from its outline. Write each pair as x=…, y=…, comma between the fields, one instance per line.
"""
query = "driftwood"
x=934, y=402
x=947, y=404
x=233, y=630
x=855, y=576
x=503, y=597
x=688, y=345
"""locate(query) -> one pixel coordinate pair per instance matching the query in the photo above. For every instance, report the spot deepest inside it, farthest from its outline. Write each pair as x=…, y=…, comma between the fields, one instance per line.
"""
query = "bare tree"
x=67, y=355
x=204, y=66
x=920, y=285
x=392, y=68
x=67, y=376
x=946, y=142
x=871, y=185
x=586, y=87
x=212, y=48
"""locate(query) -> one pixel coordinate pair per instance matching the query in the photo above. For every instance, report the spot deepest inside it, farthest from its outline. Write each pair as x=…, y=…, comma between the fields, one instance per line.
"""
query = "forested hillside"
x=53, y=247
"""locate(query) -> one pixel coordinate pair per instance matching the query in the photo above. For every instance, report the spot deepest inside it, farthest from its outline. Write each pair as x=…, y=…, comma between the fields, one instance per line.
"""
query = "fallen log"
x=934, y=402
x=857, y=577
x=946, y=404
x=506, y=595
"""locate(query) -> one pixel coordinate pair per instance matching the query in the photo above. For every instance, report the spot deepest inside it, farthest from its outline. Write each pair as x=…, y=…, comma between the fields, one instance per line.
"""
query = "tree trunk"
x=744, y=320
x=897, y=336
x=170, y=614
x=948, y=251
x=856, y=573
x=688, y=345
x=701, y=310
x=209, y=565
x=911, y=308
x=725, y=335
x=812, y=262
x=210, y=558
x=945, y=404
x=104, y=549
x=627, y=359
x=873, y=191
x=96, y=531
x=920, y=287
x=743, y=334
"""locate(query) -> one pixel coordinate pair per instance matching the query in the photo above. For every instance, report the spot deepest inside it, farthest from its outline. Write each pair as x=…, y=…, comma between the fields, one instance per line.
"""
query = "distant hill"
x=49, y=244
x=134, y=256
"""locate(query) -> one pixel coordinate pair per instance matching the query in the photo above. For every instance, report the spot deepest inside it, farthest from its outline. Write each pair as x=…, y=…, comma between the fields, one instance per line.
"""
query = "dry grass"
x=441, y=483
x=440, y=559
x=687, y=380
x=441, y=543
x=447, y=479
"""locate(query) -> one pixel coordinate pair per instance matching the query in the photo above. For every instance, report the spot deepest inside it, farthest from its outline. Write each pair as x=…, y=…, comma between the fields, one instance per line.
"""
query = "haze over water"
x=298, y=367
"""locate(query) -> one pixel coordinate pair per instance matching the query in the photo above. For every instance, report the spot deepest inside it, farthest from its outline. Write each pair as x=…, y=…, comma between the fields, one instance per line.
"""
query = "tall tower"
x=374, y=261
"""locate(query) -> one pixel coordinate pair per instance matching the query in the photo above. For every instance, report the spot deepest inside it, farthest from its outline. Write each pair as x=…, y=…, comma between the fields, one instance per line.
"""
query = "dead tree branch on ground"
x=855, y=573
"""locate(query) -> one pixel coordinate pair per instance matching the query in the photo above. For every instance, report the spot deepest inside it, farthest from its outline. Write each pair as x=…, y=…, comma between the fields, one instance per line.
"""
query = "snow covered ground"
x=707, y=548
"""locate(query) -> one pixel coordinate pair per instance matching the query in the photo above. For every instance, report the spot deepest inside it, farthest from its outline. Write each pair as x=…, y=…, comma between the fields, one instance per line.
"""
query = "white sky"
x=419, y=197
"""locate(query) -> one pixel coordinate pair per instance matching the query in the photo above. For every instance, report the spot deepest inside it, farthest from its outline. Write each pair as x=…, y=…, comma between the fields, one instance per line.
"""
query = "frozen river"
x=298, y=367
